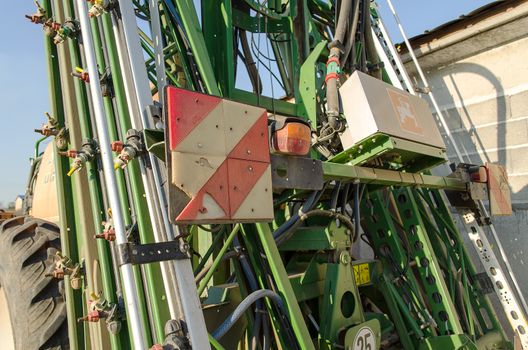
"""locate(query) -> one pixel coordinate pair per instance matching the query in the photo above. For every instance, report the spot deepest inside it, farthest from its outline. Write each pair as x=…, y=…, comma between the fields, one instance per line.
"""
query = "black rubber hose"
x=308, y=204
x=344, y=197
x=356, y=212
x=372, y=54
x=244, y=305
x=253, y=73
x=349, y=45
x=332, y=100
x=332, y=95
x=342, y=21
x=362, y=29
x=335, y=196
x=256, y=328
x=253, y=286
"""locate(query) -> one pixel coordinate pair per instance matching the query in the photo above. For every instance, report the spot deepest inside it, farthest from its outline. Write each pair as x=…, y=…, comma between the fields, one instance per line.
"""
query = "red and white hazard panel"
x=219, y=163
x=499, y=190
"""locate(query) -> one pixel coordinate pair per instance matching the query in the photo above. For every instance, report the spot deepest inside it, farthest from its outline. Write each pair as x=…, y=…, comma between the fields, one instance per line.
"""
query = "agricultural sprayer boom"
x=236, y=174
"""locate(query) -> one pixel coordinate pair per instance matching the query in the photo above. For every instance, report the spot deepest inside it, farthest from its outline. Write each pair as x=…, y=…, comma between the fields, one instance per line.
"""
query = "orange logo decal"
x=405, y=112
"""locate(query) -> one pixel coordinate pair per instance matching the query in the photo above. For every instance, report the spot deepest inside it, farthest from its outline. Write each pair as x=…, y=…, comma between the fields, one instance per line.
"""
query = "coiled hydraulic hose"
x=242, y=308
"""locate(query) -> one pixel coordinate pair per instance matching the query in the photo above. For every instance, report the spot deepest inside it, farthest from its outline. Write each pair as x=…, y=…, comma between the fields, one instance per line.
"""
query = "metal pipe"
x=129, y=286
x=37, y=145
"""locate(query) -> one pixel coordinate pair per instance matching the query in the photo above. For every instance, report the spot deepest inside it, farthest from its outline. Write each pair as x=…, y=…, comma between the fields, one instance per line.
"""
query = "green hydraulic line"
x=152, y=272
x=111, y=121
x=37, y=145
x=65, y=196
x=170, y=49
x=218, y=259
x=215, y=343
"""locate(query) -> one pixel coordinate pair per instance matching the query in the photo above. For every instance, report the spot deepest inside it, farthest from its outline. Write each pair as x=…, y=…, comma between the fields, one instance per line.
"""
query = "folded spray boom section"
x=238, y=174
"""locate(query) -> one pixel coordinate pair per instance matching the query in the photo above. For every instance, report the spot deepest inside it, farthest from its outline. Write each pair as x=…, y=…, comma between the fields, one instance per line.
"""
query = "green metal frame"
x=404, y=217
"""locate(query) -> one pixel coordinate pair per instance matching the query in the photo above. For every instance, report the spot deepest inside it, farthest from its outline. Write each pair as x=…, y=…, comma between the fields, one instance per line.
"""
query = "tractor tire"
x=37, y=308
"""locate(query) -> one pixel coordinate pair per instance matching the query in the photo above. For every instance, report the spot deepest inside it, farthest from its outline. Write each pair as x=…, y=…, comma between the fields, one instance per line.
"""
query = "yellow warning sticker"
x=362, y=274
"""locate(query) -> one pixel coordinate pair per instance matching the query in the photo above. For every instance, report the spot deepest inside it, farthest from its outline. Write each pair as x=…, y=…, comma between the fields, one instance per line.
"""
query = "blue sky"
x=23, y=84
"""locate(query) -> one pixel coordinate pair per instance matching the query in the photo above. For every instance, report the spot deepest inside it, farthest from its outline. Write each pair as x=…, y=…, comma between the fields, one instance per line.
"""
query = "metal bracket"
x=138, y=254
x=155, y=111
x=296, y=172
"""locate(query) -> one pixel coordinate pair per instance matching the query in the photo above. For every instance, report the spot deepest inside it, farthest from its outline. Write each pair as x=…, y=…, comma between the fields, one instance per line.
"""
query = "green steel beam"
x=374, y=176
x=434, y=287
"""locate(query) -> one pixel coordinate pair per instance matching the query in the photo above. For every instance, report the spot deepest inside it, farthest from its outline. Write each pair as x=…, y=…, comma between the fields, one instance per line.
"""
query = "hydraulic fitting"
x=117, y=146
x=101, y=309
x=81, y=74
x=131, y=149
x=99, y=7
x=64, y=266
x=51, y=27
x=93, y=316
x=174, y=337
x=85, y=154
x=40, y=16
x=108, y=232
x=70, y=29
x=50, y=128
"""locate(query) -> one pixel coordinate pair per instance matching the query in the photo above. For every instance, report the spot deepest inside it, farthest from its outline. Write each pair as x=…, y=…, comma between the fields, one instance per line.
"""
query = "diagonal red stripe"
x=243, y=175
x=185, y=110
x=217, y=188
x=254, y=145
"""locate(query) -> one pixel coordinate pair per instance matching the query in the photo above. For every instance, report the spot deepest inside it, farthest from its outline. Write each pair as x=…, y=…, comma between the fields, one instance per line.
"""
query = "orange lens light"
x=292, y=139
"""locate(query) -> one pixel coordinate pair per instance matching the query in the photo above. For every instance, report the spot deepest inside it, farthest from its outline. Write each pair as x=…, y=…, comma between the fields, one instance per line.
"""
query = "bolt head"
x=344, y=258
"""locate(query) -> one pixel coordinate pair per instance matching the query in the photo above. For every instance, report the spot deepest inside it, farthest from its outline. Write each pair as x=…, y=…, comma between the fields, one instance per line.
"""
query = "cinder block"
x=518, y=104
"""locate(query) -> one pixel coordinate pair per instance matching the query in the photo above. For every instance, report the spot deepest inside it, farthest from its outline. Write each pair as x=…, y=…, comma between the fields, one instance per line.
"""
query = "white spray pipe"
x=130, y=291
